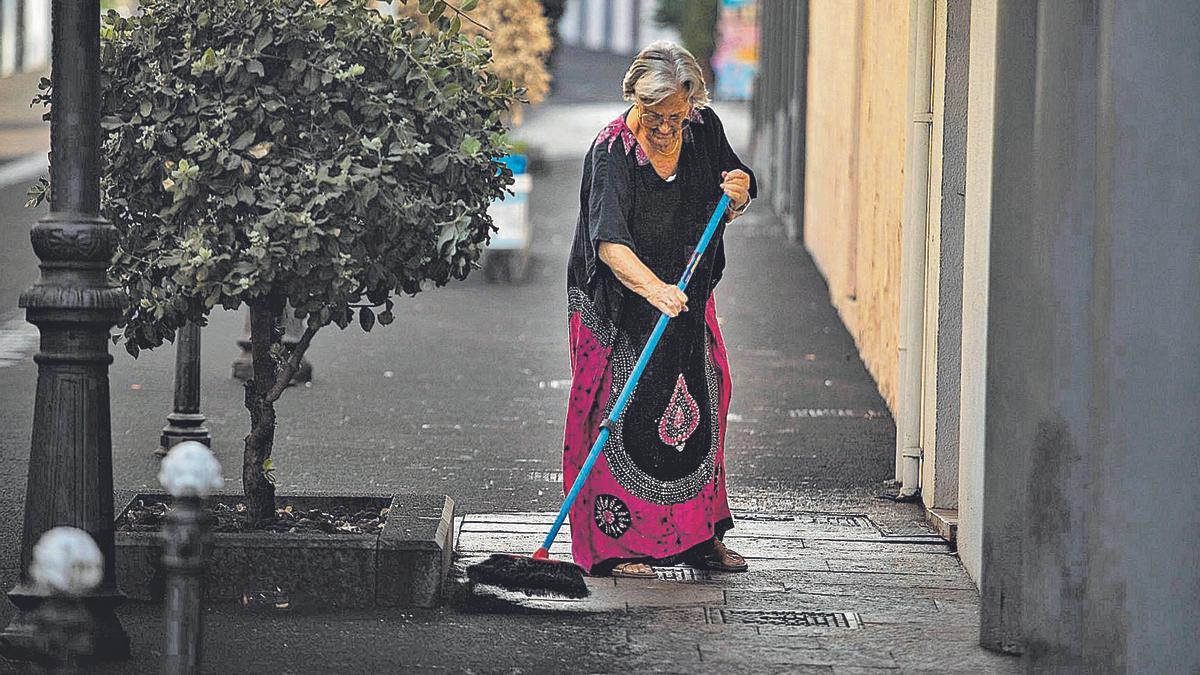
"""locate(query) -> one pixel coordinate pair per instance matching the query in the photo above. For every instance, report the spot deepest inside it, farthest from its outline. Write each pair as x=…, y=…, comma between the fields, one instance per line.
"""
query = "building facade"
x=1001, y=196
x=618, y=26
x=24, y=36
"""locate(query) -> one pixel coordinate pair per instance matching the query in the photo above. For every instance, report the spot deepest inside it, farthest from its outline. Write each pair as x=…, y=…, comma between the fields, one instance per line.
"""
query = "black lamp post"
x=293, y=328
x=70, y=457
x=186, y=423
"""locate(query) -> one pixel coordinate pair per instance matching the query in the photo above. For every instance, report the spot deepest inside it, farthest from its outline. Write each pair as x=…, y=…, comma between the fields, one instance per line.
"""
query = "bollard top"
x=190, y=470
x=67, y=560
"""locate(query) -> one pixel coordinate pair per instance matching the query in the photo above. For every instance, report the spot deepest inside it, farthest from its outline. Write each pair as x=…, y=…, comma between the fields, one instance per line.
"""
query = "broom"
x=540, y=574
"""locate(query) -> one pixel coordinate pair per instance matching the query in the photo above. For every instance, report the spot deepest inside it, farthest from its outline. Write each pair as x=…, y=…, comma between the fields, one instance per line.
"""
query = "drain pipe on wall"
x=912, y=247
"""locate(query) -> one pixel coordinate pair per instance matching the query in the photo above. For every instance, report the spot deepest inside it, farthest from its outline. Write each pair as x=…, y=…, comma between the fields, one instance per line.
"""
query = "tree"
x=553, y=10
x=272, y=151
x=519, y=35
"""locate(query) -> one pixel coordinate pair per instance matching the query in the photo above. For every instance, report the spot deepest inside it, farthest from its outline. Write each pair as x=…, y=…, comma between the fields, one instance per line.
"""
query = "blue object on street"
x=627, y=391
x=515, y=163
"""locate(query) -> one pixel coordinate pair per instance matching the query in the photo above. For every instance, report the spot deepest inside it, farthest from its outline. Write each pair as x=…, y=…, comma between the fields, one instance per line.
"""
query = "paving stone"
x=908, y=545
x=914, y=563
x=962, y=660
x=662, y=596
x=968, y=596
x=773, y=651
x=763, y=548
x=868, y=579
x=901, y=632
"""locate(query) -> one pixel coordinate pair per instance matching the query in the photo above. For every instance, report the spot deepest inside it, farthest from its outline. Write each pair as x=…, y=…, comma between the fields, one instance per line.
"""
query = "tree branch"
x=284, y=377
x=467, y=17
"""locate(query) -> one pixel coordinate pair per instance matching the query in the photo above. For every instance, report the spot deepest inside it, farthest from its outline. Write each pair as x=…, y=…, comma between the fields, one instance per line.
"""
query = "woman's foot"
x=721, y=558
x=634, y=570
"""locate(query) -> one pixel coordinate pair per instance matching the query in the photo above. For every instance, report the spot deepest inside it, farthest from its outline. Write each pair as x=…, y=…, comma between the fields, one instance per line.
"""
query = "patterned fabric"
x=624, y=512
x=618, y=128
x=658, y=487
x=680, y=419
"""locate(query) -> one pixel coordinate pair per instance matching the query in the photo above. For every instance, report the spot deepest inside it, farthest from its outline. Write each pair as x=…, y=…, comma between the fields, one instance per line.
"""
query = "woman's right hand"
x=668, y=299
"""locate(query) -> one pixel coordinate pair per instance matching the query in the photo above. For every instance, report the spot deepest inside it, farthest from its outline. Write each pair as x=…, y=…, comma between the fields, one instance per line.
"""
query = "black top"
x=668, y=429
x=624, y=200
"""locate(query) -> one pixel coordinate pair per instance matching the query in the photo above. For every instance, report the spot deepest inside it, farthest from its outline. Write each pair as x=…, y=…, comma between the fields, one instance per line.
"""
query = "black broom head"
x=533, y=577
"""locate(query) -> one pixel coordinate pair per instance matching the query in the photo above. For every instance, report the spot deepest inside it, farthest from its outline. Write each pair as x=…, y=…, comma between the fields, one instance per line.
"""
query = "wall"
x=977, y=226
x=944, y=273
x=854, y=169
x=1092, y=480
x=778, y=110
x=1004, y=479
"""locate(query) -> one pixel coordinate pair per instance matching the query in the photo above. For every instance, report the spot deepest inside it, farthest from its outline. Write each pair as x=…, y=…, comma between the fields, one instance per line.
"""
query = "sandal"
x=634, y=570
x=722, y=559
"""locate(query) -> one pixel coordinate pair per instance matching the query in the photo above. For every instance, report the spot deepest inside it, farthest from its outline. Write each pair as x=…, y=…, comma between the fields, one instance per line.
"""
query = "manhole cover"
x=786, y=618
x=682, y=574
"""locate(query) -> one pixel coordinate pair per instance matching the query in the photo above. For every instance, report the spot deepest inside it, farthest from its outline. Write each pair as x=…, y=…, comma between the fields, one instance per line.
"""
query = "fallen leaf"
x=259, y=150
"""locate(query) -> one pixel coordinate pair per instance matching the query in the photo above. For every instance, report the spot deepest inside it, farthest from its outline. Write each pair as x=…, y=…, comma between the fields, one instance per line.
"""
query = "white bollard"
x=189, y=473
x=68, y=563
x=190, y=470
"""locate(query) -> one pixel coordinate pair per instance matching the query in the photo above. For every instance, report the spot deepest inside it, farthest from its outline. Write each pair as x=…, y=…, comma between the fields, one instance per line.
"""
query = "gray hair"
x=662, y=69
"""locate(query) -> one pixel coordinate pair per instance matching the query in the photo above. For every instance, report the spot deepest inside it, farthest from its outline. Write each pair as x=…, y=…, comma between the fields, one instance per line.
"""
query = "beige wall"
x=854, y=168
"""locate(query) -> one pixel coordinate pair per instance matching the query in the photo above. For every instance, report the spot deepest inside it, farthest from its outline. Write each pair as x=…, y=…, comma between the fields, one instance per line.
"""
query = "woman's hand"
x=638, y=278
x=736, y=184
x=668, y=299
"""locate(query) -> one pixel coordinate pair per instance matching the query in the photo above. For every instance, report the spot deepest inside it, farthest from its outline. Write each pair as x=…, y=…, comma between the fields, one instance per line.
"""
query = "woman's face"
x=663, y=121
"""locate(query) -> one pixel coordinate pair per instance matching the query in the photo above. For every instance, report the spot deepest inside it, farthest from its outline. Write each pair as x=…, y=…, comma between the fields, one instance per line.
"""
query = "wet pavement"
x=465, y=395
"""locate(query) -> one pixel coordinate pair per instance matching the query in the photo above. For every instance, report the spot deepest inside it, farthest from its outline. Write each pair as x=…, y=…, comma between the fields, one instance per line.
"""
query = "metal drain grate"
x=843, y=520
x=684, y=574
x=837, y=519
x=786, y=618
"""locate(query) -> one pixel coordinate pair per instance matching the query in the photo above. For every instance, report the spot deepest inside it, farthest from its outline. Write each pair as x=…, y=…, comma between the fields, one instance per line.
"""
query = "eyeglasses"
x=655, y=120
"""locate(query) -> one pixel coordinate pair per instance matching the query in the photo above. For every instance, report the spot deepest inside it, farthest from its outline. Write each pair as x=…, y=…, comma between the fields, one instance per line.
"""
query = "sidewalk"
x=22, y=131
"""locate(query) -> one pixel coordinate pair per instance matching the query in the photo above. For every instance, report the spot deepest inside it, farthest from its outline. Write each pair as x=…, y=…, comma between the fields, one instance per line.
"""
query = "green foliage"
x=321, y=153
x=669, y=13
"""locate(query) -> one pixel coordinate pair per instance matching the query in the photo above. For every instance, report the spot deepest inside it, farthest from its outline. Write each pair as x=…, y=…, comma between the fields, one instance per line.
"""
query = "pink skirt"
x=624, y=511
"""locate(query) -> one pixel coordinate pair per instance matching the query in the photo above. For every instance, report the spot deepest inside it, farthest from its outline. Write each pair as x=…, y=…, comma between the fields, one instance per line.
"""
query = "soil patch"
x=229, y=515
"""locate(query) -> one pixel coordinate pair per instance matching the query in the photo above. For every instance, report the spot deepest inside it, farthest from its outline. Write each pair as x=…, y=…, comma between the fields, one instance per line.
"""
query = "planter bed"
x=403, y=565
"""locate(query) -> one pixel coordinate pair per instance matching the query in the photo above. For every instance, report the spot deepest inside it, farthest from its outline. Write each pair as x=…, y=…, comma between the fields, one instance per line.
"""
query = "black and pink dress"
x=658, y=489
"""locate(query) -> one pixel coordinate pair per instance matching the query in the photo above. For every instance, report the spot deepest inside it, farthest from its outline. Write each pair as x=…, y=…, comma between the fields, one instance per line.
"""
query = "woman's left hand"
x=736, y=184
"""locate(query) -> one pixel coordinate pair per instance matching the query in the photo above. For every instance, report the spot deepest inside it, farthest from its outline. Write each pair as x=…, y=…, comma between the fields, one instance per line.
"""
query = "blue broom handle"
x=627, y=391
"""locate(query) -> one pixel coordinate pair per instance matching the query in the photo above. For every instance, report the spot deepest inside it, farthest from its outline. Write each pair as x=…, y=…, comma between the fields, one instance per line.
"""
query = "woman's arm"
x=634, y=274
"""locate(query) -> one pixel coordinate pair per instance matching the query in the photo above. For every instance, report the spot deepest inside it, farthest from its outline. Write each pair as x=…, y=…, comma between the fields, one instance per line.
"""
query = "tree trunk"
x=264, y=335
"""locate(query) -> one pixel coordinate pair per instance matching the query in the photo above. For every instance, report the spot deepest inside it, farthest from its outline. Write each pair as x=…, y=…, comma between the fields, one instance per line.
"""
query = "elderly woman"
x=650, y=182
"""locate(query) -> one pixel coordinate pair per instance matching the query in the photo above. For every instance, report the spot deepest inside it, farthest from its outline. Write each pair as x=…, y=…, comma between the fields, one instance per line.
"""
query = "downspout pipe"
x=913, y=234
